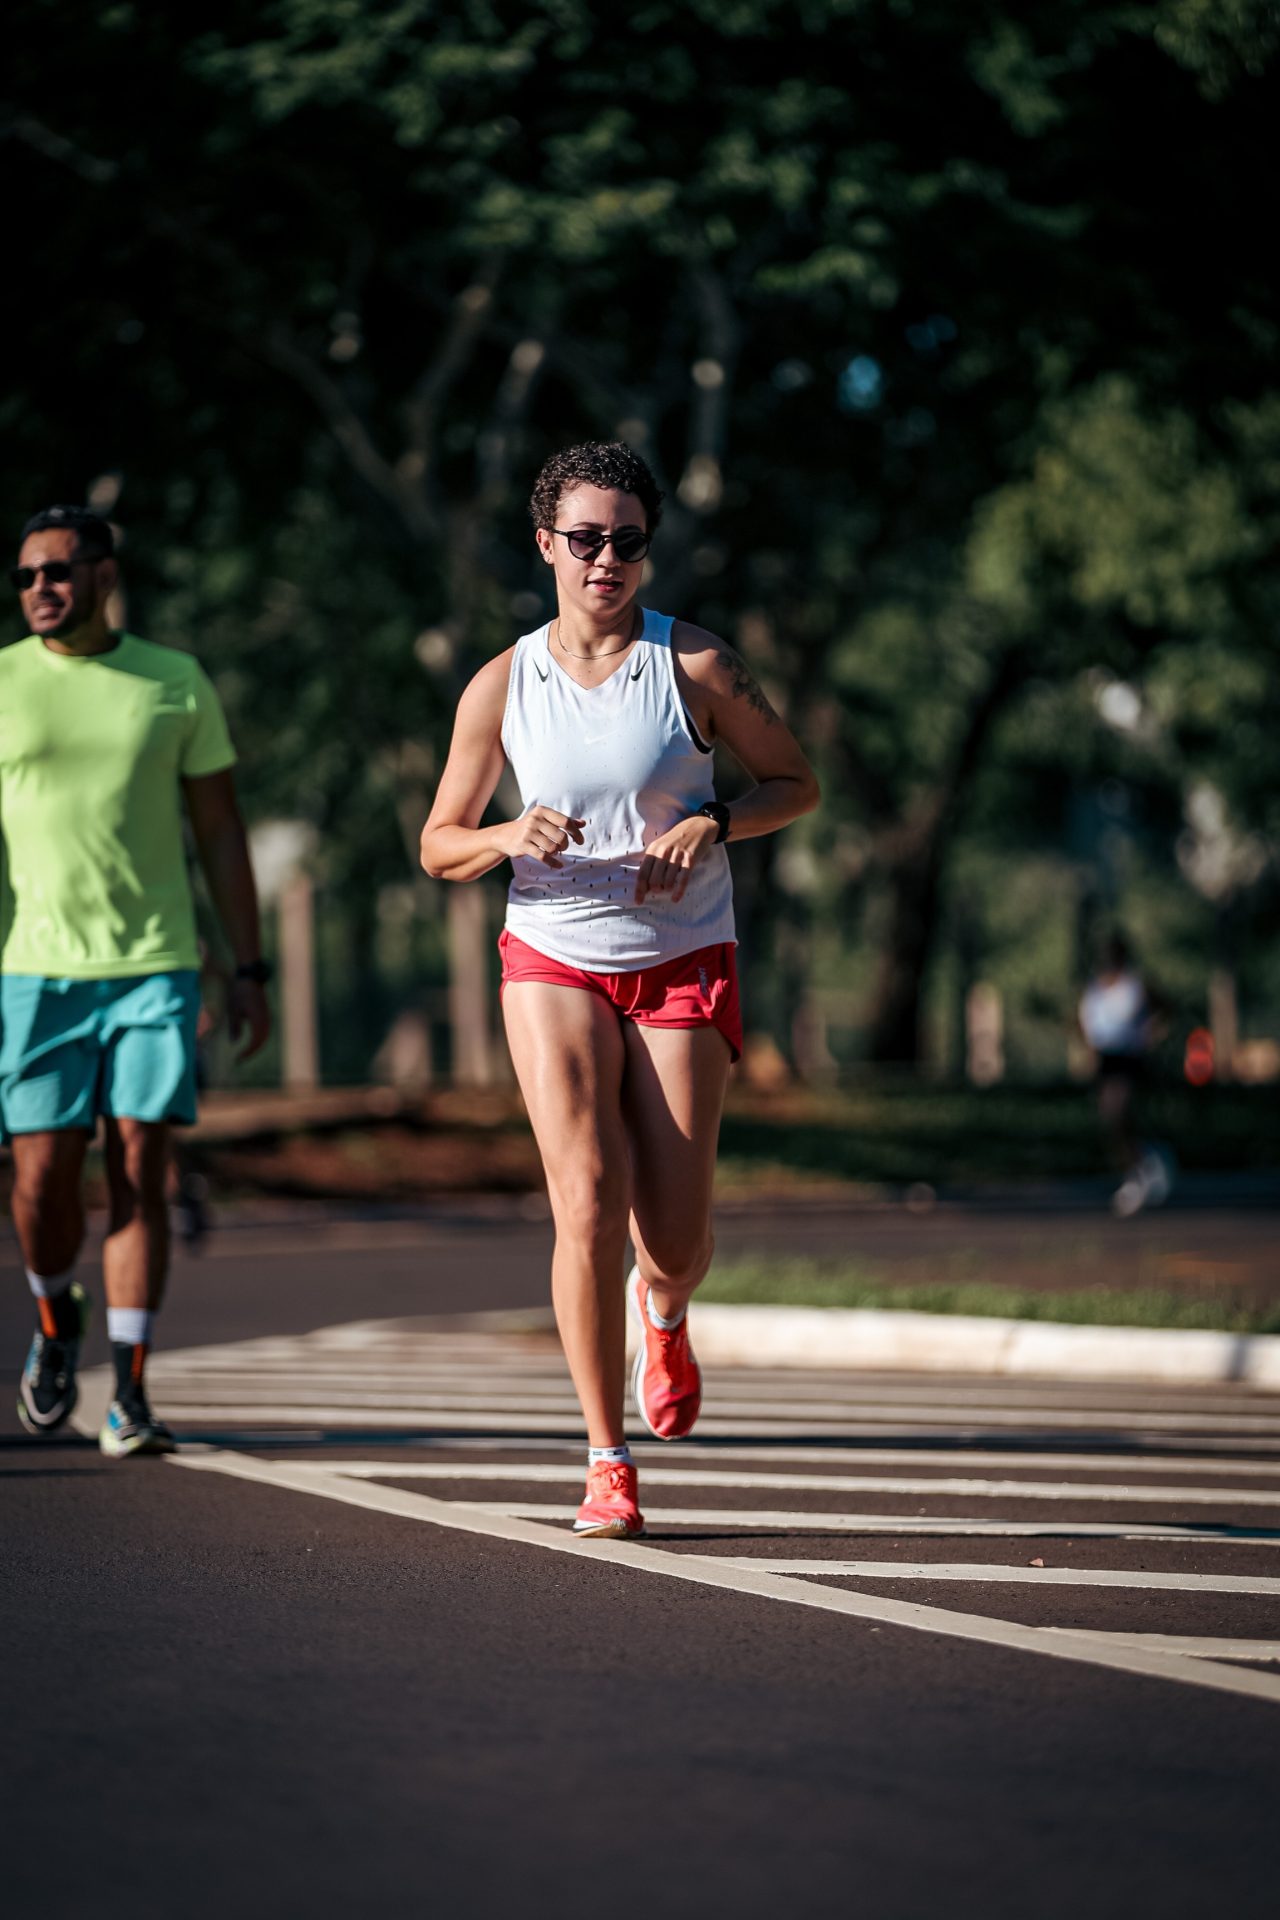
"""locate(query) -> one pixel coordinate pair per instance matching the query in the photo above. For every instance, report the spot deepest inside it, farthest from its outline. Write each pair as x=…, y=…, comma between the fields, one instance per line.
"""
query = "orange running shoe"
x=611, y=1510
x=667, y=1381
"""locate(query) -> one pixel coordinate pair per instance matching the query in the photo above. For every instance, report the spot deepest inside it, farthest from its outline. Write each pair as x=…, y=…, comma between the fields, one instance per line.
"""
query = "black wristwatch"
x=717, y=810
x=261, y=972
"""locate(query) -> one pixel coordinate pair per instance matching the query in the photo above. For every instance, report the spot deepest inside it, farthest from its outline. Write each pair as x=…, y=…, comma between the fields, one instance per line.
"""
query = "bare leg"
x=135, y=1253
x=48, y=1210
x=1115, y=1108
x=672, y=1099
x=567, y=1049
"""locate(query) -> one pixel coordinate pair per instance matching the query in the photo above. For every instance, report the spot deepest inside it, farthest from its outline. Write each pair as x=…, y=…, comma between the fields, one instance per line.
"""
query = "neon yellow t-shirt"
x=93, y=750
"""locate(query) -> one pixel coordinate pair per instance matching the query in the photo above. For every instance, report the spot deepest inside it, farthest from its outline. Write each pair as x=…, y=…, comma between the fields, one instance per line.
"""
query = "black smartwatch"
x=259, y=971
x=717, y=810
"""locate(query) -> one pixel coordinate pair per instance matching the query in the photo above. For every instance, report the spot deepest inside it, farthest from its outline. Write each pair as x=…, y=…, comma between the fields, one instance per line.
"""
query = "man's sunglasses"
x=56, y=572
x=629, y=543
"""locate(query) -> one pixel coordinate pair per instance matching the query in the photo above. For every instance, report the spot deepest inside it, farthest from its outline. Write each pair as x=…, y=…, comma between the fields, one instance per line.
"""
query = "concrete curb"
x=962, y=1343
x=884, y=1341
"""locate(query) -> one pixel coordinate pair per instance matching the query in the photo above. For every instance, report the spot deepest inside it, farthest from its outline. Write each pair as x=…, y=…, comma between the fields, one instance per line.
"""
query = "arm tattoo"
x=744, y=686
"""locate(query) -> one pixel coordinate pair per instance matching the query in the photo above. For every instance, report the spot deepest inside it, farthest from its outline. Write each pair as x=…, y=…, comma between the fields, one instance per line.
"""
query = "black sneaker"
x=131, y=1427
x=48, y=1389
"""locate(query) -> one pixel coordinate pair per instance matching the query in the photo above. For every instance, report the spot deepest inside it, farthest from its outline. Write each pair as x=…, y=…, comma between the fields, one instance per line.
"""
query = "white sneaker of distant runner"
x=1156, y=1170
x=1130, y=1197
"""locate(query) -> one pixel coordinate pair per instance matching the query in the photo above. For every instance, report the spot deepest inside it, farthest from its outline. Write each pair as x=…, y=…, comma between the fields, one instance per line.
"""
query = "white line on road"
x=946, y=1454
x=949, y=1455
x=825, y=1483
x=407, y=1387
x=346, y=1397
x=325, y=1367
x=854, y=1420
x=1262, y=1651
x=979, y=1573
x=1091, y=1649
x=754, y=1519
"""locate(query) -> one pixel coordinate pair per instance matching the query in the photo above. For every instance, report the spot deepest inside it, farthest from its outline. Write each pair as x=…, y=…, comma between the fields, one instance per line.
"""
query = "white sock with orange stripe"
x=59, y=1315
x=129, y=1331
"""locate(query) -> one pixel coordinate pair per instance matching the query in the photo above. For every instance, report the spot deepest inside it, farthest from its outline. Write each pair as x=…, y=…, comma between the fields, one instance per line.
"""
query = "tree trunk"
x=912, y=862
x=894, y=1027
x=300, y=1028
x=469, y=1008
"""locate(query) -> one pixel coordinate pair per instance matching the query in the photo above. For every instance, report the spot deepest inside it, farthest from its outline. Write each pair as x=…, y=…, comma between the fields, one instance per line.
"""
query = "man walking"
x=103, y=736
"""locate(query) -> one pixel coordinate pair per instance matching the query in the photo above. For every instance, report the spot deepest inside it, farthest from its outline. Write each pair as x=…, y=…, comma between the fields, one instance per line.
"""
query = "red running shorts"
x=693, y=990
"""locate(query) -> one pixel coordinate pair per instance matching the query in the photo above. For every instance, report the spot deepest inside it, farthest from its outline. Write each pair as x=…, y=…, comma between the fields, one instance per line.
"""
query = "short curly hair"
x=93, y=534
x=596, y=463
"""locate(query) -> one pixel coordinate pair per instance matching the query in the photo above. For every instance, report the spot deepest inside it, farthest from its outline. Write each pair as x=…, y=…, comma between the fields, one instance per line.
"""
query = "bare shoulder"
x=695, y=649
x=719, y=670
x=485, y=696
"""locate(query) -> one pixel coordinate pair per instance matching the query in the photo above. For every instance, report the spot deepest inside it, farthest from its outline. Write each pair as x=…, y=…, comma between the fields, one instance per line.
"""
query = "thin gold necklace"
x=608, y=654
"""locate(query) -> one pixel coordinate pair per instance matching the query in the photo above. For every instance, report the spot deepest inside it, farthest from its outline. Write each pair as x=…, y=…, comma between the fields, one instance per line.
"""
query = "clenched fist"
x=541, y=834
x=670, y=859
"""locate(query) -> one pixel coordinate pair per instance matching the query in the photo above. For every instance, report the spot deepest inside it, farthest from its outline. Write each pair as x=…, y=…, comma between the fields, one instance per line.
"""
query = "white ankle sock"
x=614, y=1455
x=47, y=1286
x=656, y=1319
x=129, y=1326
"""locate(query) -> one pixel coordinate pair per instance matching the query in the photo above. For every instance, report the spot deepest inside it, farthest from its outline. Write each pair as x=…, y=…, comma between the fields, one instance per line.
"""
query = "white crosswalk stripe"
x=371, y=1413
x=362, y=1373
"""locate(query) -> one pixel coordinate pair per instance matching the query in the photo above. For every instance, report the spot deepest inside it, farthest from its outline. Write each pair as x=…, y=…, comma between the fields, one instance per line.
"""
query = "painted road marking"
x=754, y=1519
x=391, y=1441
x=415, y=1358
x=1087, y=1648
x=376, y=1374
x=484, y=1395
x=389, y=1430
x=1190, y=1432
x=1084, y=1490
x=982, y=1573
x=947, y=1454
x=460, y=1409
x=1264, y=1652
x=1101, y=1461
x=346, y=1397
x=527, y=1340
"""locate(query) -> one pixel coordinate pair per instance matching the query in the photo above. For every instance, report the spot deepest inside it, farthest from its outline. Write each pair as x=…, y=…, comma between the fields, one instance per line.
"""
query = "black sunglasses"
x=629, y=543
x=57, y=572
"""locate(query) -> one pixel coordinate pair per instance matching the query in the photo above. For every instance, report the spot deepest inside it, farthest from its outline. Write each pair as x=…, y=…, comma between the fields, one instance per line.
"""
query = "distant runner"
x=620, y=990
x=1120, y=1017
x=103, y=738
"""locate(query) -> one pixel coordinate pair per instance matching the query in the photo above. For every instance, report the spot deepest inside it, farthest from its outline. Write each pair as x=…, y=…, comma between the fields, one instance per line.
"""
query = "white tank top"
x=623, y=756
x=1114, y=1014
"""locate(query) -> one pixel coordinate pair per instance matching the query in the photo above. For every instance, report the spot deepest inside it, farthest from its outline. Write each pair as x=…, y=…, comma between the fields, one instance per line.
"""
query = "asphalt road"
x=343, y=1656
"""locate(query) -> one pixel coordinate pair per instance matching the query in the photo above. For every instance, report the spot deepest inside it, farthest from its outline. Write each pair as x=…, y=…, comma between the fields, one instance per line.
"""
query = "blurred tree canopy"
x=950, y=332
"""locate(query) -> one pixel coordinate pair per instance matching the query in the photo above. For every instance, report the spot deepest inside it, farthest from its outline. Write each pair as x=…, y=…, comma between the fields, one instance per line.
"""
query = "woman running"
x=619, y=987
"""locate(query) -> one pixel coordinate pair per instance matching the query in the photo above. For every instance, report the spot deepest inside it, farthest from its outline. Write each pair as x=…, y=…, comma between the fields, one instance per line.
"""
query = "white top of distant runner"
x=622, y=756
x=1114, y=1014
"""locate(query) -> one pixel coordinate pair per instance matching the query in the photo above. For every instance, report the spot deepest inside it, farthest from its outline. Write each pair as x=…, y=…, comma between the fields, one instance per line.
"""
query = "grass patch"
x=816, y=1283
x=896, y=1132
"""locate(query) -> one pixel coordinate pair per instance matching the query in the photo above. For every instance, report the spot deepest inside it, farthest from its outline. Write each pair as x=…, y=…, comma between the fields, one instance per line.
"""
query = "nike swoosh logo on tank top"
x=637, y=671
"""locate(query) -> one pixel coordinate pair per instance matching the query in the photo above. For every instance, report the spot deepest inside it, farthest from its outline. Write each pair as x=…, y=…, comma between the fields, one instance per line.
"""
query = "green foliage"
x=1129, y=512
x=951, y=337
x=1223, y=42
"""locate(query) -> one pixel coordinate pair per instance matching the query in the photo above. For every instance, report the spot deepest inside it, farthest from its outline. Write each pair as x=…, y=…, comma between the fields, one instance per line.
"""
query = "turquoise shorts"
x=72, y=1049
